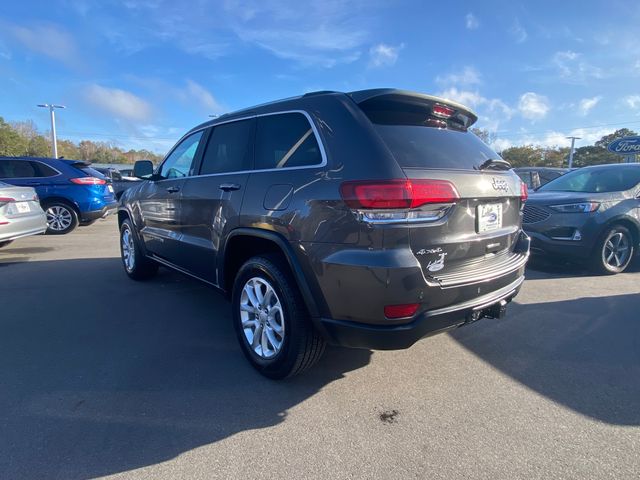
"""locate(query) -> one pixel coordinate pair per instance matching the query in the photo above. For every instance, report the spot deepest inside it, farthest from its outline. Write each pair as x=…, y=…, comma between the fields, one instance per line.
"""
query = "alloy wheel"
x=262, y=318
x=128, y=249
x=617, y=249
x=59, y=218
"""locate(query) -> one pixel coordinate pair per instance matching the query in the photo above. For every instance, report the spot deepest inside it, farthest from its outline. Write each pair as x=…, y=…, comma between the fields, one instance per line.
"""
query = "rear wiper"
x=495, y=164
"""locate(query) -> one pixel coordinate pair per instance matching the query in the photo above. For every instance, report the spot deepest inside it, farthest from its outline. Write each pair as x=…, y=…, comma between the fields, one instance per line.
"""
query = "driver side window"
x=180, y=163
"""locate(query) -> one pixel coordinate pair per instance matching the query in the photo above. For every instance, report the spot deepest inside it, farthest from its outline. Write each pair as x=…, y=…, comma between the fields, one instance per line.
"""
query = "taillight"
x=88, y=181
x=524, y=192
x=4, y=200
x=401, y=311
x=397, y=194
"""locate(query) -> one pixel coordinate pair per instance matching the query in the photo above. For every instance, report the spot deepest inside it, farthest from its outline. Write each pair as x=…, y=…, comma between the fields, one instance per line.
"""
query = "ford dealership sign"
x=625, y=146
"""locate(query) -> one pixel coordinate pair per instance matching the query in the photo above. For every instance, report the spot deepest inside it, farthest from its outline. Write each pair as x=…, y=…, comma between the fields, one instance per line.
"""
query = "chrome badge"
x=500, y=184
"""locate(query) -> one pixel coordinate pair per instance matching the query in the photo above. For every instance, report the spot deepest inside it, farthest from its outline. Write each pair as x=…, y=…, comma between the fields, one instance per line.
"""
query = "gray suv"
x=368, y=219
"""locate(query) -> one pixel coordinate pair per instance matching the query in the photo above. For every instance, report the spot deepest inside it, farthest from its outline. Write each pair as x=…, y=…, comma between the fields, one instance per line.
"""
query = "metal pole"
x=54, y=141
x=573, y=144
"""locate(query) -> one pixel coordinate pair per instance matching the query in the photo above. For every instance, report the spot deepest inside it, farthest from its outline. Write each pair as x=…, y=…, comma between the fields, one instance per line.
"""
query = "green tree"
x=11, y=142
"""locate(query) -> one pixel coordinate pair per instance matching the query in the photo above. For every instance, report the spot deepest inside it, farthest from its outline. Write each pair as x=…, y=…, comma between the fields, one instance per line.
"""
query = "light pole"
x=54, y=142
x=573, y=144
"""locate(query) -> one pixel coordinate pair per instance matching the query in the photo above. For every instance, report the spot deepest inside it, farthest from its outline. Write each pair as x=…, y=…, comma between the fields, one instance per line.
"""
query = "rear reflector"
x=401, y=311
x=442, y=111
x=524, y=192
x=88, y=181
x=396, y=194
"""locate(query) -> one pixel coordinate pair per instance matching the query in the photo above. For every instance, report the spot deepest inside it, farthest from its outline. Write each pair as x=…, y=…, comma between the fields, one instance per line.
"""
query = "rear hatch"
x=100, y=184
x=470, y=234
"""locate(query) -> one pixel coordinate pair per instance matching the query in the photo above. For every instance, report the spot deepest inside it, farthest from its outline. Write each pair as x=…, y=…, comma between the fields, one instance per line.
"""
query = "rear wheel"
x=271, y=321
x=136, y=264
x=614, y=251
x=62, y=218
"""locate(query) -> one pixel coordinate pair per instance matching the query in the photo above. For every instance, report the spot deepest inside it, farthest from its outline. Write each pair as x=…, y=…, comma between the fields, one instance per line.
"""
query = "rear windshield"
x=415, y=143
x=595, y=180
x=92, y=172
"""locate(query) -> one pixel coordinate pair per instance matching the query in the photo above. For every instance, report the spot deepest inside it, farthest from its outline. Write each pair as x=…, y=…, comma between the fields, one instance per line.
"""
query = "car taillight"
x=88, y=181
x=401, y=311
x=397, y=194
x=524, y=192
x=4, y=200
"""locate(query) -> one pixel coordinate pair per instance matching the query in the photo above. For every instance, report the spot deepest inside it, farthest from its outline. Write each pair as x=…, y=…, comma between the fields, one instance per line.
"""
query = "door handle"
x=229, y=187
x=173, y=189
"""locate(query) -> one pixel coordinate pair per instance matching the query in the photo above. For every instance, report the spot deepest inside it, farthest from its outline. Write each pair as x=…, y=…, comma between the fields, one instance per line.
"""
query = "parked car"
x=369, y=219
x=71, y=192
x=535, y=177
x=591, y=214
x=20, y=213
x=117, y=179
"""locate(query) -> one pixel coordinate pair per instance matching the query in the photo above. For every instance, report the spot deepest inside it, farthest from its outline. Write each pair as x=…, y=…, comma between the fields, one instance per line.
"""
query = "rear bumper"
x=395, y=337
x=23, y=227
x=91, y=215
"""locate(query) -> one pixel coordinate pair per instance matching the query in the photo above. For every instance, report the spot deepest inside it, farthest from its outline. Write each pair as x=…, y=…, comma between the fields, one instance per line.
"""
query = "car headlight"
x=584, y=207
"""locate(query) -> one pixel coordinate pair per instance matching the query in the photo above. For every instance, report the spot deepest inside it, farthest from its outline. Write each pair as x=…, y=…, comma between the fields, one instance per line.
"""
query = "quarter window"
x=285, y=140
x=181, y=160
x=229, y=148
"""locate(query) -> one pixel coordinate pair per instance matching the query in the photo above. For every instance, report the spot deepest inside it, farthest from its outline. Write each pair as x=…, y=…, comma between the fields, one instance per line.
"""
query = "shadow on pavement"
x=583, y=354
x=99, y=374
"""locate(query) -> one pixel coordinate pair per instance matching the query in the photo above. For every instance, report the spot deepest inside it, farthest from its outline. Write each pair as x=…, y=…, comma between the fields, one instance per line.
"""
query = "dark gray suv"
x=369, y=219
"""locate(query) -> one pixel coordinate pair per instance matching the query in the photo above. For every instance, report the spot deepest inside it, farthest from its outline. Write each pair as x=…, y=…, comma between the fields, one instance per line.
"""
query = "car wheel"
x=61, y=218
x=614, y=251
x=271, y=321
x=137, y=265
x=5, y=243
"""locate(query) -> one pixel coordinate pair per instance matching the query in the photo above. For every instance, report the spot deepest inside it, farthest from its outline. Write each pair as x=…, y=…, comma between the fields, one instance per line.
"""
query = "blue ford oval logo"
x=625, y=146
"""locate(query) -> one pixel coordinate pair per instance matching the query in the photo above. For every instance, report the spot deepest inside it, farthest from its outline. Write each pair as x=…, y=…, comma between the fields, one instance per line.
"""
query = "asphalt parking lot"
x=102, y=376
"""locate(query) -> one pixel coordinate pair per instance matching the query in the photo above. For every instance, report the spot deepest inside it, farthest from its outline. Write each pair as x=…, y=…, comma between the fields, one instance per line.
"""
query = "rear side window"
x=92, y=172
x=17, y=169
x=229, y=148
x=418, y=140
x=285, y=140
x=42, y=170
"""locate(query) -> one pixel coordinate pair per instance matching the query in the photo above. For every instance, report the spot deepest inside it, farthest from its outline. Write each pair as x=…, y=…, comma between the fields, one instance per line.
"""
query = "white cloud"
x=586, y=104
x=572, y=66
x=471, y=21
x=200, y=94
x=518, y=32
x=468, y=76
x=48, y=40
x=118, y=103
x=533, y=106
x=632, y=101
x=492, y=112
x=383, y=55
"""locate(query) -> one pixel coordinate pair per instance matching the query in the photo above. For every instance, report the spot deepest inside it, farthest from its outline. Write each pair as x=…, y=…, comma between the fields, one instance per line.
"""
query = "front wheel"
x=615, y=250
x=136, y=264
x=61, y=218
x=271, y=321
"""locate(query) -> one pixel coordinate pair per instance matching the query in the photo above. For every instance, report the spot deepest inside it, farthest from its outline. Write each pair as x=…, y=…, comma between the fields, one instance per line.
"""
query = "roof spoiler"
x=468, y=116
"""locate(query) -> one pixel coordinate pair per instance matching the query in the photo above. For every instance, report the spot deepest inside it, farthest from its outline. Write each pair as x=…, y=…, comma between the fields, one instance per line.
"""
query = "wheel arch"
x=244, y=243
x=629, y=223
x=66, y=201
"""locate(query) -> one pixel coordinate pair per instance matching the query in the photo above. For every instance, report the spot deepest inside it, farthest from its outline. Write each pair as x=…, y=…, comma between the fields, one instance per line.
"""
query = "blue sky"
x=140, y=73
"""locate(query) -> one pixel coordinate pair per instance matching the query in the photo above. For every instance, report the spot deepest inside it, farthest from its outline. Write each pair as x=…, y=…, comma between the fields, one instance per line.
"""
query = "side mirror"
x=143, y=169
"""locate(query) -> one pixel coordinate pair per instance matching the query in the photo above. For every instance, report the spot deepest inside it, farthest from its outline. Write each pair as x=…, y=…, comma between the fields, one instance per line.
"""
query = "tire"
x=5, y=243
x=287, y=320
x=614, y=250
x=62, y=218
x=135, y=263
